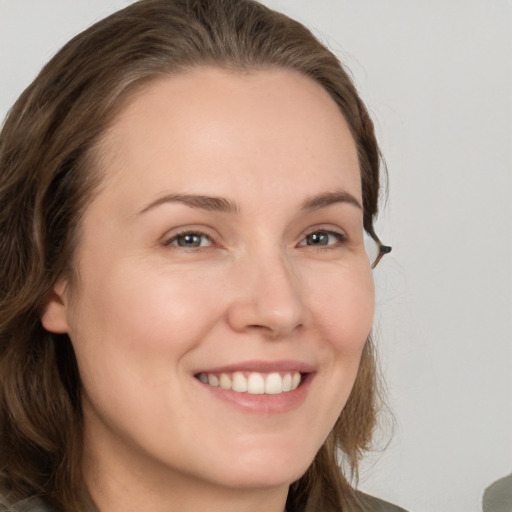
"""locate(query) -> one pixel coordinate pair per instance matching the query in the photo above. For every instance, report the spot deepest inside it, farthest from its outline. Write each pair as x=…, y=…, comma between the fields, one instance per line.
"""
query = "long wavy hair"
x=49, y=171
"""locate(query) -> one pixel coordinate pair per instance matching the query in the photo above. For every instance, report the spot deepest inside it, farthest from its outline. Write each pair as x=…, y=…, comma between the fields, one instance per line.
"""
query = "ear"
x=54, y=313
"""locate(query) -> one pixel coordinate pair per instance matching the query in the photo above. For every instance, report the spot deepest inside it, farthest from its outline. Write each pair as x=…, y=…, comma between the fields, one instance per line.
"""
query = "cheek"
x=131, y=332
x=345, y=309
x=144, y=310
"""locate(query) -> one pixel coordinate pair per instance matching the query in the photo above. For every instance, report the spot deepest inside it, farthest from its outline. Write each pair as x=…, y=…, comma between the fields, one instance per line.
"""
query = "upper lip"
x=261, y=366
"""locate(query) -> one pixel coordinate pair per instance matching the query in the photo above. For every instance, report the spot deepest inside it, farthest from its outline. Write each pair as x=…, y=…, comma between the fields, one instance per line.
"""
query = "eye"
x=190, y=240
x=322, y=238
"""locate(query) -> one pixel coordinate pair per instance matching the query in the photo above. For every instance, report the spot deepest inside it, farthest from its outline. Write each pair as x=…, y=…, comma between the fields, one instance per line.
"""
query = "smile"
x=254, y=383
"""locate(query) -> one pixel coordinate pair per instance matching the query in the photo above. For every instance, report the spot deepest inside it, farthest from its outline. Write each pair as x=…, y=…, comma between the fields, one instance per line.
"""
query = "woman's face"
x=226, y=244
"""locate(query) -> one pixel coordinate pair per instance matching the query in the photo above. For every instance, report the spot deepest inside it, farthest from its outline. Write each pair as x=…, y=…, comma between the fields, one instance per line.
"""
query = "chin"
x=265, y=478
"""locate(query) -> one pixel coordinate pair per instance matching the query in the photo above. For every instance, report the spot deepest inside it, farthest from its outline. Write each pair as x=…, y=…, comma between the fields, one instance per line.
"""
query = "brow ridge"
x=325, y=199
x=221, y=204
x=210, y=203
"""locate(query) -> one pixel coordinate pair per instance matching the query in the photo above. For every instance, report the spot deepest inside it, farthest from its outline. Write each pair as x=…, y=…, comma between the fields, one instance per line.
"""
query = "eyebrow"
x=221, y=204
x=212, y=204
x=325, y=199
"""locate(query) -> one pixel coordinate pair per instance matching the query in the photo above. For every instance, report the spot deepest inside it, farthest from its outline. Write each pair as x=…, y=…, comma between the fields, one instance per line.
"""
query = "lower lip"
x=263, y=404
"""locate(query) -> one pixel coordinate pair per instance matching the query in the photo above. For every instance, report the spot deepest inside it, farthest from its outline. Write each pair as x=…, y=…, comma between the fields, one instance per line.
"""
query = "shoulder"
x=372, y=504
x=498, y=496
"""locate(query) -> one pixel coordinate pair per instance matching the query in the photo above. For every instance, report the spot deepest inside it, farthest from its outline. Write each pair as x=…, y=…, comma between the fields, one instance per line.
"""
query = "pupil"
x=318, y=239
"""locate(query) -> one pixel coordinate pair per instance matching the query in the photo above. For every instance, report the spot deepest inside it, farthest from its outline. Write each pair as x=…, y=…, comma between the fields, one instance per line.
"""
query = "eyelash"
x=174, y=238
x=341, y=239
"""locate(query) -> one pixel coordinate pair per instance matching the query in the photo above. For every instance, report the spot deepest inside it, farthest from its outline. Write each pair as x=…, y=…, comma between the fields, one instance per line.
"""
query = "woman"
x=186, y=295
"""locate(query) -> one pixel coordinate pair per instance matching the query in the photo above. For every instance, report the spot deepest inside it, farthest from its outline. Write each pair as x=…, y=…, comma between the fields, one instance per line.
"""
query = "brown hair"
x=48, y=151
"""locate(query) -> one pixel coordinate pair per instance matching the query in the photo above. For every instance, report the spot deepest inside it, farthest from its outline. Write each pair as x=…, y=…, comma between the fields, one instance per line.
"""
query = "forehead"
x=260, y=130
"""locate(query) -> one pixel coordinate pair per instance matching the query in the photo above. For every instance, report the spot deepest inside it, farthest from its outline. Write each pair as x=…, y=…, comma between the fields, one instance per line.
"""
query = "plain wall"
x=437, y=77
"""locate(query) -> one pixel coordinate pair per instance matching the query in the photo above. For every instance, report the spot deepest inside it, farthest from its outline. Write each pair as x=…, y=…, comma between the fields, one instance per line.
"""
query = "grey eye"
x=319, y=238
x=322, y=238
x=191, y=240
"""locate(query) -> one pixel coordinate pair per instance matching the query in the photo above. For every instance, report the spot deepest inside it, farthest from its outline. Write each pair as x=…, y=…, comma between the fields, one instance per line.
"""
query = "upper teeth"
x=254, y=383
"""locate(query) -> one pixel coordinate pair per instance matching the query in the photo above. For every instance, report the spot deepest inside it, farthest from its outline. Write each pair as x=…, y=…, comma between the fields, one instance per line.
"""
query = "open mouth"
x=254, y=383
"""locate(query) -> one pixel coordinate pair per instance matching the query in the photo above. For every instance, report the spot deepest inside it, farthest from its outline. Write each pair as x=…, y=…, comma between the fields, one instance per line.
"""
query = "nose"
x=268, y=298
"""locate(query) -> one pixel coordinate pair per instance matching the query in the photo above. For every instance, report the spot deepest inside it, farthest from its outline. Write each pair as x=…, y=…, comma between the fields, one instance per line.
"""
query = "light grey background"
x=437, y=77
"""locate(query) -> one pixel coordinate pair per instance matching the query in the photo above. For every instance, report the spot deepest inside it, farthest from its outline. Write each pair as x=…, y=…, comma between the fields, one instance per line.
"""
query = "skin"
x=146, y=314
